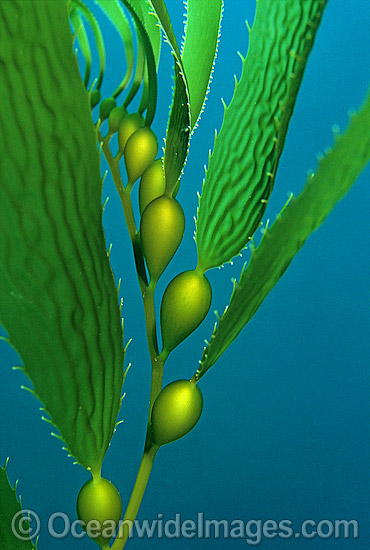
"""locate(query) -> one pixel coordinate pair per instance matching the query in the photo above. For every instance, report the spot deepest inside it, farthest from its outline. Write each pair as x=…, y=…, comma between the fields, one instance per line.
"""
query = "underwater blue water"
x=285, y=432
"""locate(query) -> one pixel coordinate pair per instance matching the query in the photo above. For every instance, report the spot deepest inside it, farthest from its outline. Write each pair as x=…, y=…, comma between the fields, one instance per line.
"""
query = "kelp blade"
x=82, y=39
x=161, y=12
x=150, y=22
x=178, y=128
x=242, y=166
x=113, y=10
x=149, y=96
x=336, y=173
x=58, y=301
x=202, y=29
x=10, y=507
x=178, y=131
x=192, y=74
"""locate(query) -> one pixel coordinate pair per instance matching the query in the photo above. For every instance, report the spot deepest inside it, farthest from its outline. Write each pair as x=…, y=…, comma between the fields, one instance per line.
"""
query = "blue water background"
x=285, y=432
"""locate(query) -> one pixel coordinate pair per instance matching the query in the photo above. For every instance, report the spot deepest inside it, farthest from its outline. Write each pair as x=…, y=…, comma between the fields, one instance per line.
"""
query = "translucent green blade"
x=82, y=38
x=336, y=173
x=200, y=45
x=150, y=22
x=58, y=301
x=161, y=12
x=78, y=6
x=11, y=508
x=178, y=132
x=241, y=169
x=149, y=96
x=178, y=129
x=151, y=36
x=113, y=10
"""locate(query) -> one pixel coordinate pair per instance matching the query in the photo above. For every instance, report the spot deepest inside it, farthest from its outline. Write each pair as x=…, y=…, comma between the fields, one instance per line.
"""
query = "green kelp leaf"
x=178, y=132
x=115, y=13
x=242, y=167
x=58, y=301
x=149, y=97
x=76, y=8
x=150, y=21
x=178, y=129
x=11, y=507
x=336, y=173
x=200, y=45
x=82, y=39
x=152, y=37
x=161, y=12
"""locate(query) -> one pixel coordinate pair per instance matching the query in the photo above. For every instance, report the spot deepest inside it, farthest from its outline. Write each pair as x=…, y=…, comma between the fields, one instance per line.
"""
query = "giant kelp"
x=59, y=302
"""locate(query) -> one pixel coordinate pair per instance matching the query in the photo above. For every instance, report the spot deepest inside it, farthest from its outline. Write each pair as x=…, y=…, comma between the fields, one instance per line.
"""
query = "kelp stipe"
x=72, y=217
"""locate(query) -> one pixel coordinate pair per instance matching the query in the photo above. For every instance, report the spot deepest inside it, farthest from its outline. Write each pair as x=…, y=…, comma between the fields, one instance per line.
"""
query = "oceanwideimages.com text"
x=26, y=525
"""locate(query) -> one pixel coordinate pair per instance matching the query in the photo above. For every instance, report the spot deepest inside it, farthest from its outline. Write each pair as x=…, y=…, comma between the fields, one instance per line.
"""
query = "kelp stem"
x=156, y=385
x=125, y=197
x=127, y=210
x=136, y=498
x=148, y=300
x=147, y=291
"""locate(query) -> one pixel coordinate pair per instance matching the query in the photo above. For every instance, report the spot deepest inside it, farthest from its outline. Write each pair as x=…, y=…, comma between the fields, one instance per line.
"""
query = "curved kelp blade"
x=113, y=10
x=11, y=508
x=149, y=97
x=82, y=39
x=76, y=9
x=153, y=37
x=178, y=128
x=58, y=301
x=161, y=12
x=178, y=132
x=336, y=173
x=203, y=20
x=149, y=21
x=242, y=167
